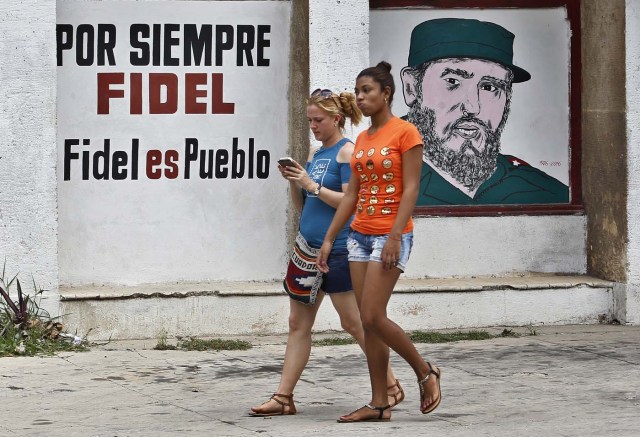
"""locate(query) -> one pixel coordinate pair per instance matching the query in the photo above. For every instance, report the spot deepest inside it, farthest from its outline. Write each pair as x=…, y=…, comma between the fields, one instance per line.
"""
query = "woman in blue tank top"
x=316, y=191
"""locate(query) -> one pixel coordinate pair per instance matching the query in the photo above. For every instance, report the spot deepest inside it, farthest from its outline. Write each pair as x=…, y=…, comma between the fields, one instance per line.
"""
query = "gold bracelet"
x=396, y=239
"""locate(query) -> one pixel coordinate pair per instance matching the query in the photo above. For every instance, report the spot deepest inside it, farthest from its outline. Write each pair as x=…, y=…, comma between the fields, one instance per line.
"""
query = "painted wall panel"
x=490, y=139
x=187, y=103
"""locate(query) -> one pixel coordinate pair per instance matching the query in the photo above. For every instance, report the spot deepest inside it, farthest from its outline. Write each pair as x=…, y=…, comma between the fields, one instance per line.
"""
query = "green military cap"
x=464, y=38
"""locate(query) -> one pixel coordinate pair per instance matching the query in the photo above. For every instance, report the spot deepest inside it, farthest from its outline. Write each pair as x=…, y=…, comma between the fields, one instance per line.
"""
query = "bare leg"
x=380, y=330
x=377, y=289
x=296, y=356
x=347, y=309
x=358, y=278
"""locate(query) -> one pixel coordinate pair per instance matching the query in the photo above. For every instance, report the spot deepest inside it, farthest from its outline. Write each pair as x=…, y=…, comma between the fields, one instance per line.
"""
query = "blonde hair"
x=343, y=105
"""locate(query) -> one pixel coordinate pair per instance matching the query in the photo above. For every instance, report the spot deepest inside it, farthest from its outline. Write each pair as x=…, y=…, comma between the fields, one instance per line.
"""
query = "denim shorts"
x=365, y=248
x=338, y=278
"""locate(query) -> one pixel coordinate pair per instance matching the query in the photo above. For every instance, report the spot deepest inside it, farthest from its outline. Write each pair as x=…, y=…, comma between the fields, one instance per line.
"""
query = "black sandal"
x=281, y=412
x=368, y=419
x=421, y=382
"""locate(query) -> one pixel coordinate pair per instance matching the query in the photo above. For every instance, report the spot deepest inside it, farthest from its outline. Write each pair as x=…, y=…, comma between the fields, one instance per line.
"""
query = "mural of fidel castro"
x=458, y=86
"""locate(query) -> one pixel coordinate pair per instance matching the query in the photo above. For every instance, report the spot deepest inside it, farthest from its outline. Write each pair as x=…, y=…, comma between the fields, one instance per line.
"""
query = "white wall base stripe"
x=571, y=300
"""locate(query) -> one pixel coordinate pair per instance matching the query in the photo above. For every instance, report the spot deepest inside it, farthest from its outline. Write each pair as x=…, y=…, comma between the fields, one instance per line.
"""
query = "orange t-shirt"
x=377, y=161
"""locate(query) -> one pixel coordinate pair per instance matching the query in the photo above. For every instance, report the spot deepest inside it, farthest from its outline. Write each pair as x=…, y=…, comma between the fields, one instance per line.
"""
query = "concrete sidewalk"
x=564, y=381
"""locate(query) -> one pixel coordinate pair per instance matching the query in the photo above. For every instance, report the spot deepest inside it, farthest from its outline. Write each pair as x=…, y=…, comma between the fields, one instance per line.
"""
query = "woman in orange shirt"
x=382, y=190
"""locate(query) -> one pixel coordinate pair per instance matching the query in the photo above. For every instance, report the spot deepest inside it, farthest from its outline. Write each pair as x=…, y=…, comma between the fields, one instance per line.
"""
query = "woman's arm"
x=411, y=168
x=343, y=213
x=296, y=196
x=332, y=198
x=298, y=179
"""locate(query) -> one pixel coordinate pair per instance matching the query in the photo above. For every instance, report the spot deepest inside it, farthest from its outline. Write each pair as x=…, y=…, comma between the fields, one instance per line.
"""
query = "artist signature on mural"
x=551, y=163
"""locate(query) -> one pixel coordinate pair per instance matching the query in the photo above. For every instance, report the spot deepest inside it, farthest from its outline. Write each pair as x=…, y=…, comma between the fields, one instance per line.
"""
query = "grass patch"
x=38, y=341
x=163, y=345
x=198, y=344
x=27, y=329
x=432, y=337
x=416, y=337
x=447, y=337
x=334, y=341
x=508, y=333
x=532, y=330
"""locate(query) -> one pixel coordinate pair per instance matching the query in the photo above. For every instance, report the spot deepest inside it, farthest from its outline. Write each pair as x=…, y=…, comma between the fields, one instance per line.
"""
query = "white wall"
x=484, y=246
x=338, y=47
x=28, y=227
x=633, y=159
x=338, y=51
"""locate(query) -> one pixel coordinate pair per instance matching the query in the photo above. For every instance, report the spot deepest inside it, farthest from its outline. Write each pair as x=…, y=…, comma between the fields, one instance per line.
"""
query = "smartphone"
x=287, y=161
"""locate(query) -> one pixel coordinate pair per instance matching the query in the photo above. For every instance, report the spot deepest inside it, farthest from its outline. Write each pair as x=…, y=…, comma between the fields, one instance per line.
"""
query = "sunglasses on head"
x=327, y=94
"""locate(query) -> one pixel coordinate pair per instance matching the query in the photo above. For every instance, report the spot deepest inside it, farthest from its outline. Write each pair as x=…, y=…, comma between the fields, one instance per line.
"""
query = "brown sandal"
x=379, y=418
x=281, y=411
x=421, y=382
x=398, y=395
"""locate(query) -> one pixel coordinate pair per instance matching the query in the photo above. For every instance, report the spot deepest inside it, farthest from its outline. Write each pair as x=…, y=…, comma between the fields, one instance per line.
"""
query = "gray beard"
x=469, y=169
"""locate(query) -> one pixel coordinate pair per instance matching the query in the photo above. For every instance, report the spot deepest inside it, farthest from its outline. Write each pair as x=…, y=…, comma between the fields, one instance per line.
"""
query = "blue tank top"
x=317, y=215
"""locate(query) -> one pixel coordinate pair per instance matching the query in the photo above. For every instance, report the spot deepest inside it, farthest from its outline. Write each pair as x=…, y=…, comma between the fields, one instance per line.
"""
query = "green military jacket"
x=514, y=182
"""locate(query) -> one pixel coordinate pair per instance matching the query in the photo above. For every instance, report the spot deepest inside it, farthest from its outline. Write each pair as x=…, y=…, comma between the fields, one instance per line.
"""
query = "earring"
x=385, y=100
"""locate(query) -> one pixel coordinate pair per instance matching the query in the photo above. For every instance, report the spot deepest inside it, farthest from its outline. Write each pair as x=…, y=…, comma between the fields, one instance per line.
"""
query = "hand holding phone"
x=287, y=161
